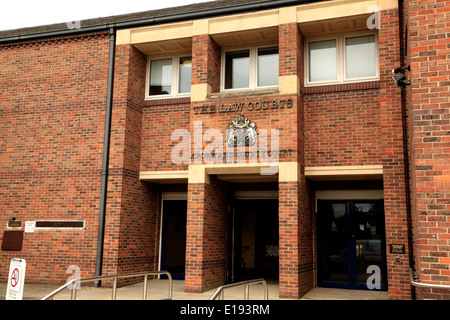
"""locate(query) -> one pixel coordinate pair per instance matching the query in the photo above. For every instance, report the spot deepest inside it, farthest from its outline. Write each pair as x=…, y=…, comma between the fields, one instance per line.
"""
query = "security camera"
x=401, y=69
x=401, y=81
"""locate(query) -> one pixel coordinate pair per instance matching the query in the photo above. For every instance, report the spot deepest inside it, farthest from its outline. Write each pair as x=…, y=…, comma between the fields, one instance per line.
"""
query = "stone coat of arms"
x=241, y=132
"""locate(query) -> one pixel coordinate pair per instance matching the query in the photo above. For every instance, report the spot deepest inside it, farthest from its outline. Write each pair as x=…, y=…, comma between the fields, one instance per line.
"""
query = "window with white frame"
x=250, y=68
x=342, y=59
x=169, y=77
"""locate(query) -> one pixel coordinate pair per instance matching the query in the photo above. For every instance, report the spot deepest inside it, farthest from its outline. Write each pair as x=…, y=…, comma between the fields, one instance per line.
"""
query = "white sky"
x=16, y=14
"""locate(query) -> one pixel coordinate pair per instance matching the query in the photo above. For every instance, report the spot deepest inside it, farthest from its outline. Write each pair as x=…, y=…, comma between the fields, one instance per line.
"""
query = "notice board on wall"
x=12, y=240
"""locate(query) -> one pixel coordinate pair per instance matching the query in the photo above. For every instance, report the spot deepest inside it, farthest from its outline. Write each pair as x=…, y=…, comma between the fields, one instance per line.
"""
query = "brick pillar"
x=205, y=236
x=429, y=119
x=392, y=157
x=295, y=223
x=128, y=246
x=205, y=66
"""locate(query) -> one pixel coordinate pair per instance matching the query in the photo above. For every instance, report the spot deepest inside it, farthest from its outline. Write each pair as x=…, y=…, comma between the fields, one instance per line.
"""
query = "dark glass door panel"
x=350, y=242
x=368, y=219
x=174, y=238
x=334, y=242
x=253, y=240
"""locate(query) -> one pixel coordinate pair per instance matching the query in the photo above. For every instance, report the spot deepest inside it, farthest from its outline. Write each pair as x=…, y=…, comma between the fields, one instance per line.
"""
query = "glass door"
x=173, y=246
x=350, y=244
x=253, y=240
x=368, y=231
x=333, y=244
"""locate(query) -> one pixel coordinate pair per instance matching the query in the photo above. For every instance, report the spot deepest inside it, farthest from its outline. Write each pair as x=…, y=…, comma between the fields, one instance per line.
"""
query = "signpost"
x=16, y=277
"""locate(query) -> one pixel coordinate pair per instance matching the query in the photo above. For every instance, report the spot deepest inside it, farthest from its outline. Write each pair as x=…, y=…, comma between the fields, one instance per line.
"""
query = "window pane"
x=322, y=60
x=237, y=69
x=185, y=70
x=360, y=58
x=160, y=77
x=267, y=67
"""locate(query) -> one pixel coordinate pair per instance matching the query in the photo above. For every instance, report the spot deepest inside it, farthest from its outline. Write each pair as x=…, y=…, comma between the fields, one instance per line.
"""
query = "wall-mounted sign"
x=272, y=251
x=12, y=240
x=397, y=248
x=266, y=105
x=282, y=153
x=29, y=226
x=14, y=224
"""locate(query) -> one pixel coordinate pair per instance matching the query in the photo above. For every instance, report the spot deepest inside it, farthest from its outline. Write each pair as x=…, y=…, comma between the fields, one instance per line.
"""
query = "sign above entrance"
x=241, y=131
x=266, y=105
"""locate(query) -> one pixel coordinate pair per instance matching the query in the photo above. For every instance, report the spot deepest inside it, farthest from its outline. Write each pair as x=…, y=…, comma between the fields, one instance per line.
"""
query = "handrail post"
x=266, y=291
x=73, y=295
x=144, y=294
x=114, y=289
x=170, y=284
x=246, y=291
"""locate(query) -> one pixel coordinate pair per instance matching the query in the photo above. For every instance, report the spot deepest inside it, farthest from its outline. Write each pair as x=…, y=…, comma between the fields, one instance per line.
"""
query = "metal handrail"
x=75, y=283
x=425, y=285
x=219, y=292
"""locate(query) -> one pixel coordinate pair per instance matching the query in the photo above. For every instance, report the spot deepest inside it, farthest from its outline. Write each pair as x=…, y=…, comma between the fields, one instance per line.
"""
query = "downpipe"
x=106, y=144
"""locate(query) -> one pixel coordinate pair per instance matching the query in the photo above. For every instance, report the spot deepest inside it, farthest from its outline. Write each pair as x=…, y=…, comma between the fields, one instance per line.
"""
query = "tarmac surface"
x=159, y=290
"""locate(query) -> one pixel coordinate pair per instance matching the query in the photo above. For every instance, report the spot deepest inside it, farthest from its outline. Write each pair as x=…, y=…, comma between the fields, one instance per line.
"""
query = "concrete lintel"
x=164, y=176
x=340, y=171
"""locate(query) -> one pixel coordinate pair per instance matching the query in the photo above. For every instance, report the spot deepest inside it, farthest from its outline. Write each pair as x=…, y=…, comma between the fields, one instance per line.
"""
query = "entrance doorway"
x=351, y=244
x=253, y=240
x=173, y=237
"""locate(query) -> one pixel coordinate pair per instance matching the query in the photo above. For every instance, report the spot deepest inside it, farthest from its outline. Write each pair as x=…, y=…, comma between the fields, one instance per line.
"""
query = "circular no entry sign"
x=15, y=277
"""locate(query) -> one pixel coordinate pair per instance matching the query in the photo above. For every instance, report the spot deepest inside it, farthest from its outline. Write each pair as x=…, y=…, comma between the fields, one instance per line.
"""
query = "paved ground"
x=158, y=290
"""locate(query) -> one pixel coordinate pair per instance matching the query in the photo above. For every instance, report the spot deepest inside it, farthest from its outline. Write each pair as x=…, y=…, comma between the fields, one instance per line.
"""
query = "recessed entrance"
x=351, y=244
x=173, y=237
x=252, y=240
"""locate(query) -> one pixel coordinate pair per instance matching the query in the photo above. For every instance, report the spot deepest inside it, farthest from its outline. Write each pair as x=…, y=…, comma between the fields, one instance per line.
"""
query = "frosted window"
x=360, y=59
x=322, y=60
x=185, y=70
x=237, y=69
x=267, y=67
x=161, y=77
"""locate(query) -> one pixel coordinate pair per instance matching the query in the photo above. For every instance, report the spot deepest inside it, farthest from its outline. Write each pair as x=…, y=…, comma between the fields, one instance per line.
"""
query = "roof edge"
x=195, y=11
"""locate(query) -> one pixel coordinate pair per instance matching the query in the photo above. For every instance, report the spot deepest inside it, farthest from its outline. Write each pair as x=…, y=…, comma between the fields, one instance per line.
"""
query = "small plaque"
x=397, y=248
x=14, y=224
x=272, y=251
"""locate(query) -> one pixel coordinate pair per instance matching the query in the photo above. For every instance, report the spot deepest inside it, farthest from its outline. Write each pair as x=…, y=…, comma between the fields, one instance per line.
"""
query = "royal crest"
x=241, y=132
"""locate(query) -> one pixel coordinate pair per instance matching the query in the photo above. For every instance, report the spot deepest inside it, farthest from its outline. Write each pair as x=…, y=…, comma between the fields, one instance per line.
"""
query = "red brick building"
x=231, y=140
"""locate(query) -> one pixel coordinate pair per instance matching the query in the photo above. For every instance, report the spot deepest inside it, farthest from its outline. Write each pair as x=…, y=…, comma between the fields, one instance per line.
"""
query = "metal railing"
x=220, y=291
x=413, y=275
x=74, y=283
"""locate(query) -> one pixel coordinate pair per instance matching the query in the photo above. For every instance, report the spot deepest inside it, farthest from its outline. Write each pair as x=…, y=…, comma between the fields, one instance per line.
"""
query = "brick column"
x=128, y=245
x=205, y=236
x=392, y=157
x=295, y=223
x=429, y=119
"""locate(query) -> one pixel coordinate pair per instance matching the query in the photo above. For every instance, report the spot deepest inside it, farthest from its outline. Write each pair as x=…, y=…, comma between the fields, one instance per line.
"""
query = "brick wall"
x=132, y=212
x=342, y=128
x=52, y=115
x=429, y=123
x=159, y=119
